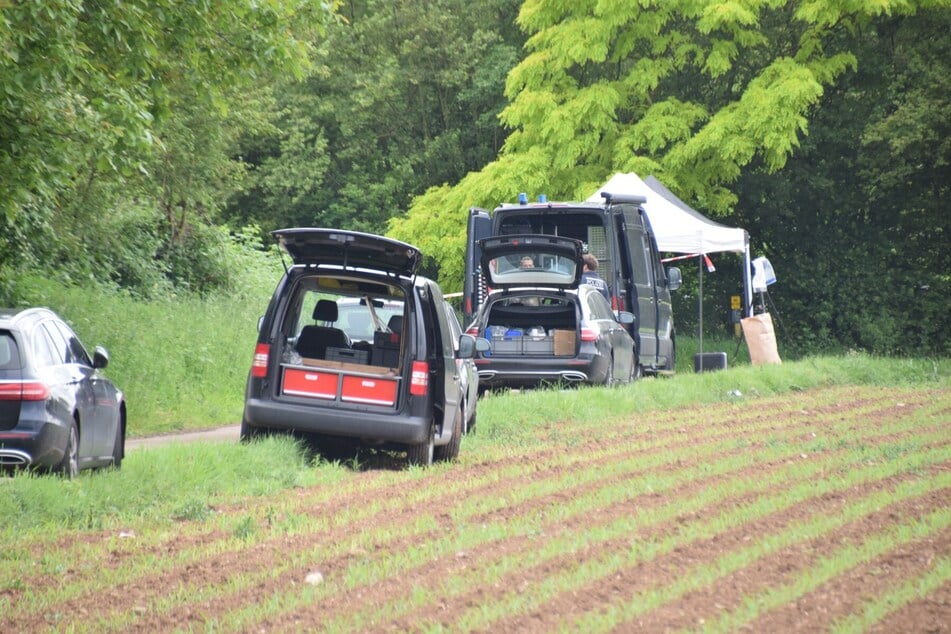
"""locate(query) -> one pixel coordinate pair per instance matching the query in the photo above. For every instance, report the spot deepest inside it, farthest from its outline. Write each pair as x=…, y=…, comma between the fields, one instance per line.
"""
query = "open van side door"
x=474, y=290
x=665, y=336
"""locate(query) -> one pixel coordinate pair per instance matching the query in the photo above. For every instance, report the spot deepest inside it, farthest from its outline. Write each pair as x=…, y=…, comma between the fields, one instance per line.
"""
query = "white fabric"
x=677, y=228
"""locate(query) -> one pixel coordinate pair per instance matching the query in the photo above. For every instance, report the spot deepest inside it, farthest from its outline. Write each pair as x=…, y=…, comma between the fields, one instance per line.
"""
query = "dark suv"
x=385, y=376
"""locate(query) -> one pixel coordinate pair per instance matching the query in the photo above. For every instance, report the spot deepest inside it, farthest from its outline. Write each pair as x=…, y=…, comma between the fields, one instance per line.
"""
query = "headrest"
x=325, y=310
x=395, y=324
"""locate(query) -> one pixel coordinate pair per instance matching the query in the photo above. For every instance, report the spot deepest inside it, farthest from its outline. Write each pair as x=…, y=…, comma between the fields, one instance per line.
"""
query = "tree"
x=406, y=96
x=856, y=223
x=693, y=93
x=101, y=93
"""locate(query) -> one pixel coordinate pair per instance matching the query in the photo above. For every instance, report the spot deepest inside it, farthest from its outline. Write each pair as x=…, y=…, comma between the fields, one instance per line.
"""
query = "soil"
x=199, y=577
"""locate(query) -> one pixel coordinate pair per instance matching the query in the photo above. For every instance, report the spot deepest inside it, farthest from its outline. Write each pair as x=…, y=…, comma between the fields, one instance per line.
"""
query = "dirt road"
x=228, y=432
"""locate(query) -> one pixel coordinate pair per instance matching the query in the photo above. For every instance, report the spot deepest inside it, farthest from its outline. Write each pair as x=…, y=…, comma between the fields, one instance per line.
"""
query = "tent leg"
x=700, y=311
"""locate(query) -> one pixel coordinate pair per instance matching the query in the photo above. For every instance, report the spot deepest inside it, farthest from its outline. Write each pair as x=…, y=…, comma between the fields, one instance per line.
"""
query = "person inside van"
x=527, y=262
x=589, y=275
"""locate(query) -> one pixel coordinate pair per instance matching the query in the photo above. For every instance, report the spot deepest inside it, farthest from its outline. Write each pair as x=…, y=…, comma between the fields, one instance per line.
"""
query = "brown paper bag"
x=761, y=339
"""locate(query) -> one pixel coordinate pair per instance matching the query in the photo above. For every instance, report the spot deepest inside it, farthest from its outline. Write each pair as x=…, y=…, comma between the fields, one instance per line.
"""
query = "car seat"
x=313, y=341
x=395, y=324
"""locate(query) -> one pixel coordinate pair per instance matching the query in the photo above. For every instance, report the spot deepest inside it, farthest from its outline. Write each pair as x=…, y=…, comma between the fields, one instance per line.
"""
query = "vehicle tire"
x=471, y=425
x=118, y=447
x=422, y=454
x=609, y=376
x=637, y=370
x=249, y=433
x=69, y=466
x=450, y=451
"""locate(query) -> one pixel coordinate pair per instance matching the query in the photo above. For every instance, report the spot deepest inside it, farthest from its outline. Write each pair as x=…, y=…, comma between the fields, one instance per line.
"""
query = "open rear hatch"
x=532, y=318
x=531, y=261
x=346, y=331
x=349, y=249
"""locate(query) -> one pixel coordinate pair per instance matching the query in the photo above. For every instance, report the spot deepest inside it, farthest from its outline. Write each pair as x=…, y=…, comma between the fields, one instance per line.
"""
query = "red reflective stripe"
x=23, y=391
x=259, y=365
x=588, y=334
x=419, y=384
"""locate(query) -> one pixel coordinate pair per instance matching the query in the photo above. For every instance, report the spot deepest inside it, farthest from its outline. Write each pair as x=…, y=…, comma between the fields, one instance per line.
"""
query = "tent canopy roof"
x=677, y=227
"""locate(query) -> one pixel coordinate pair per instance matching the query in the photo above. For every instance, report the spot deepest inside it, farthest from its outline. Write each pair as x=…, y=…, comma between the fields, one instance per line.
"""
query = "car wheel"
x=609, y=375
x=118, y=447
x=450, y=451
x=637, y=370
x=422, y=454
x=249, y=432
x=470, y=426
x=69, y=466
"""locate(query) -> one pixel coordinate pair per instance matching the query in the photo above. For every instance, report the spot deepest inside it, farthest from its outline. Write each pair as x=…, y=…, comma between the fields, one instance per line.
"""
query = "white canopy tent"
x=680, y=229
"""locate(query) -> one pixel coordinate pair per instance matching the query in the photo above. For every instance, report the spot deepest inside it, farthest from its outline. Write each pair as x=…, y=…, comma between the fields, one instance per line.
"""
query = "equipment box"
x=564, y=343
x=347, y=355
x=386, y=349
x=523, y=345
x=339, y=381
x=707, y=361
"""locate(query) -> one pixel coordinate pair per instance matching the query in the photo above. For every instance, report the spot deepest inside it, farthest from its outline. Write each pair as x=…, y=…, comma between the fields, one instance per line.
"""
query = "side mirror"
x=625, y=317
x=469, y=345
x=100, y=358
x=674, y=278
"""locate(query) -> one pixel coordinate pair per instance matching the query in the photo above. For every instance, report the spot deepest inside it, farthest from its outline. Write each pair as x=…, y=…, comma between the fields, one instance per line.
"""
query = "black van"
x=618, y=233
x=355, y=345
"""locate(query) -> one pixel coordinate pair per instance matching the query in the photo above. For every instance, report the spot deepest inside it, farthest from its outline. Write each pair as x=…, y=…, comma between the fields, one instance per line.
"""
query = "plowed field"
x=812, y=511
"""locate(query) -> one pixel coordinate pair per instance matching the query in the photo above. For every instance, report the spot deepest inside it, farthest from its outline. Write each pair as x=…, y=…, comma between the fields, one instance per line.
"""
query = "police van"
x=618, y=233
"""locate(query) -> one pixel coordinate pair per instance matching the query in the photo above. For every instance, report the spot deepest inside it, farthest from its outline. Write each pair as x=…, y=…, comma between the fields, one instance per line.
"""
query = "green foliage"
x=131, y=106
x=856, y=224
x=691, y=93
x=405, y=98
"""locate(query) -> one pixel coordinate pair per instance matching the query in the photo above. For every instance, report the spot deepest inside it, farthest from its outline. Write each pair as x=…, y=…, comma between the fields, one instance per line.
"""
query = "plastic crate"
x=529, y=346
x=535, y=346
x=347, y=355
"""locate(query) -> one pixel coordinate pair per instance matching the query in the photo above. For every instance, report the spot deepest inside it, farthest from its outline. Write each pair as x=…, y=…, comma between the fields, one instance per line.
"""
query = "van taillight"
x=615, y=305
x=419, y=384
x=23, y=391
x=588, y=334
x=473, y=330
x=259, y=365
